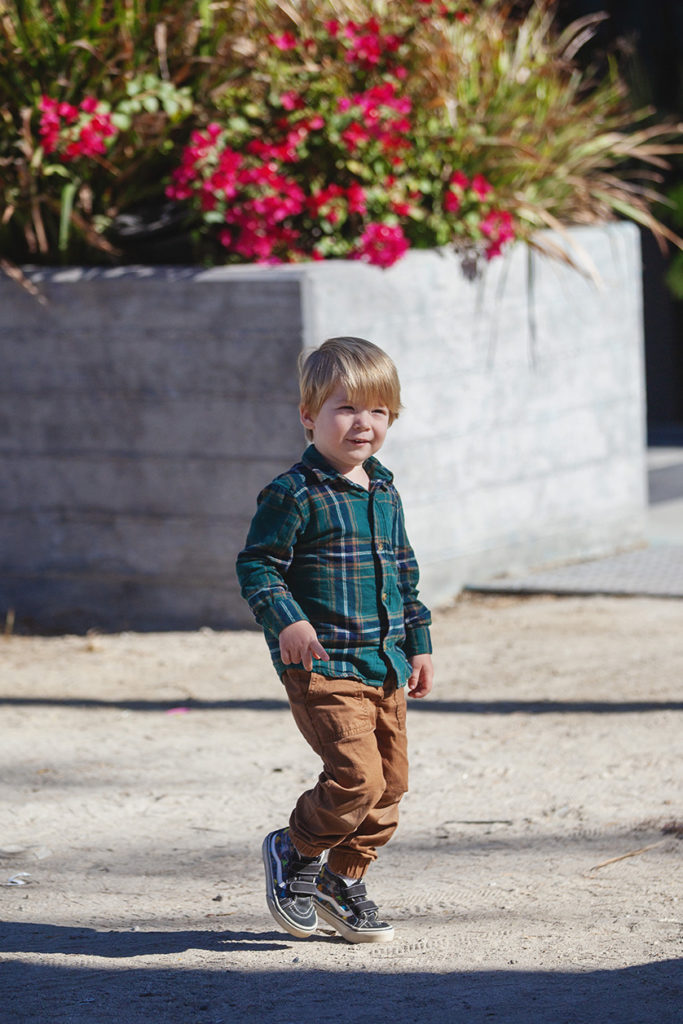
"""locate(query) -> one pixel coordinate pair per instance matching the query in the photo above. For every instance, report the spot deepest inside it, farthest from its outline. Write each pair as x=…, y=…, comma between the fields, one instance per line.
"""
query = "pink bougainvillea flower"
x=286, y=41
x=292, y=100
x=381, y=244
x=67, y=112
x=452, y=200
x=354, y=135
x=74, y=132
x=367, y=46
x=317, y=200
x=356, y=198
x=498, y=227
x=481, y=187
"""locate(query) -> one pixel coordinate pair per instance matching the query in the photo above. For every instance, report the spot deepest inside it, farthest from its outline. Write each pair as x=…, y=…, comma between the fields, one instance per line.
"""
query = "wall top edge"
x=580, y=235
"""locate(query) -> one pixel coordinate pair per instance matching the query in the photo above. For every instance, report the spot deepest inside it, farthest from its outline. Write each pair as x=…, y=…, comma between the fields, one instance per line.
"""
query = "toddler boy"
x=330, y=576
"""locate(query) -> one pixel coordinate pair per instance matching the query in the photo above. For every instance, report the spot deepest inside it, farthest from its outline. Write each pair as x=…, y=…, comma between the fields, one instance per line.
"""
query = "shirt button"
x=384, y=596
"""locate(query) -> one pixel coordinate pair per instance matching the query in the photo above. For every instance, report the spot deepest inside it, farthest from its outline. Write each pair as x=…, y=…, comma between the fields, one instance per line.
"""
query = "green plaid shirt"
x=322, y=548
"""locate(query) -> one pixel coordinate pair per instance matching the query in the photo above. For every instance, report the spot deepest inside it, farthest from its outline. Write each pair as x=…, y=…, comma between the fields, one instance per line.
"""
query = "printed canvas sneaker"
x=349, y=910
x=290, y=884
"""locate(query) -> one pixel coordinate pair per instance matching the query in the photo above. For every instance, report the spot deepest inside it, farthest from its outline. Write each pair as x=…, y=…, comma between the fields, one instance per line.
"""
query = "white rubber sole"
x=352, y=934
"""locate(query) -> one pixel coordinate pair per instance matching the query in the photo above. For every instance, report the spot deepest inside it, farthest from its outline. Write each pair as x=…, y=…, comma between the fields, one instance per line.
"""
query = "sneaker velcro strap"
x=300, y=887
x=357, y=896
x=303, y=878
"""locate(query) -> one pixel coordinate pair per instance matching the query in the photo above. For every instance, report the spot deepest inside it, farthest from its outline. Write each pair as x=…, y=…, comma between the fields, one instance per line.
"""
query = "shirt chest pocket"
x=383, y=526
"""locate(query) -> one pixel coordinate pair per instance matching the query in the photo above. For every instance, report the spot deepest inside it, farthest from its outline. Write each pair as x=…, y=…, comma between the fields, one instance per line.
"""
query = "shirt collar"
x=324, y=471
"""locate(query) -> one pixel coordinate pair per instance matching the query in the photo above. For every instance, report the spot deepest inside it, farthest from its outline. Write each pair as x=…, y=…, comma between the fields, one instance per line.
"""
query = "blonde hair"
x=364, y=370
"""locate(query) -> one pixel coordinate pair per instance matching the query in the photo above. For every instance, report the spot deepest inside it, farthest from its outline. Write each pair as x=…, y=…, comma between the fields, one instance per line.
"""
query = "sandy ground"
x=536, y=875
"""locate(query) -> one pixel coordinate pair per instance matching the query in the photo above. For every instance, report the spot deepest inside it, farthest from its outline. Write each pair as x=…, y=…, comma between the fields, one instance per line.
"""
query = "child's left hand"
x=422, y=677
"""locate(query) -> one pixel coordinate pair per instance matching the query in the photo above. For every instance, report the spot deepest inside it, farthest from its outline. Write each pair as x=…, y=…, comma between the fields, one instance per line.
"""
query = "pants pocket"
x=328, y=710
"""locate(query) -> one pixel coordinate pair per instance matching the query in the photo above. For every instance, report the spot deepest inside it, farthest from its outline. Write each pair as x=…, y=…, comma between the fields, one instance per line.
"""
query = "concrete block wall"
x=142, y=409
x=140, y=413
x=522, y=442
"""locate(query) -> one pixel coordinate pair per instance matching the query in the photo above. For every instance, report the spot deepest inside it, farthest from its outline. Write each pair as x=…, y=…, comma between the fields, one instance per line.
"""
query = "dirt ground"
x=535, y=877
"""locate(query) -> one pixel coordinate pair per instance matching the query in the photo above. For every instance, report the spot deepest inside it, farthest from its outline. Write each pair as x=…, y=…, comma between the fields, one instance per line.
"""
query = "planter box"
x=143, y=408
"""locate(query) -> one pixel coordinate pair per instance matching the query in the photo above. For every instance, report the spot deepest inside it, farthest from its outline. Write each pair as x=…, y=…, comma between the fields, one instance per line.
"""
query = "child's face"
x=347, y=433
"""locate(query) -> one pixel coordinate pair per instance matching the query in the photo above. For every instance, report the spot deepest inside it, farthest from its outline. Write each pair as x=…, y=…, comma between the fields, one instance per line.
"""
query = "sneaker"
x=349, y=910
x=290, y=884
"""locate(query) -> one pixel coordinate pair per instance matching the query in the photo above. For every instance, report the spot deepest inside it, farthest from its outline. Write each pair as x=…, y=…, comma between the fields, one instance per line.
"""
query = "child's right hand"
x=299, y=644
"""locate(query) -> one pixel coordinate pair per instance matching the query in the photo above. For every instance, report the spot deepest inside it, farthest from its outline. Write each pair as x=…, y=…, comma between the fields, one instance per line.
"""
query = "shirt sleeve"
x=416, y=617
x=263, y=564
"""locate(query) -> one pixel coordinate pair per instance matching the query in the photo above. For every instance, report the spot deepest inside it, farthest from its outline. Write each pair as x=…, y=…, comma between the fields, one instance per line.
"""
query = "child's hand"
x=422, y=677
x=299, y=643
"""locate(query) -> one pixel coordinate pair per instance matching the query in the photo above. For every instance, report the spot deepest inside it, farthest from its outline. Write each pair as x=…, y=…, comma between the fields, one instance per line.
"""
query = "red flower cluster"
x=257, y=203
x=455, y=192
x=367, y=46
x=449, y=10
x=459, y=183
x=497, y=226
x=309, y=175
x=286, y=41
x=334, y=202
x=381, y=244
x=74, y=132
x=380, y=114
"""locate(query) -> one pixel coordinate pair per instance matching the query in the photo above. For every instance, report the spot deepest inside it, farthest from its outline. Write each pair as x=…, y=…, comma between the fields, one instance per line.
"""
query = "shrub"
x=297, y=130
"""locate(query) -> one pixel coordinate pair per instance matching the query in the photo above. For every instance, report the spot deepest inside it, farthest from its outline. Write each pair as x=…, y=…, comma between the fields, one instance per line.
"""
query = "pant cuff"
x=305, y=849
x=346, y=864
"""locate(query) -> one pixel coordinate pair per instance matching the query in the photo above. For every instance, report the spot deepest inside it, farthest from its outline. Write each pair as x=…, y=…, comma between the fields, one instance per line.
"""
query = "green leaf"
x=359, y=169
x=237, y=123
x=68, y=196
x=121, y=121
x=56, y=170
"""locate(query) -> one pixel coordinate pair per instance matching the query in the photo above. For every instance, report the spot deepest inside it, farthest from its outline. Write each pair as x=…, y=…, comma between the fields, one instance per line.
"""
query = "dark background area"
x=648, y=35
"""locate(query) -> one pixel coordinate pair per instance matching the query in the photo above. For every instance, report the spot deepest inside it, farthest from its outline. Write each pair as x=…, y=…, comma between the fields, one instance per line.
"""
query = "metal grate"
x=655, y=571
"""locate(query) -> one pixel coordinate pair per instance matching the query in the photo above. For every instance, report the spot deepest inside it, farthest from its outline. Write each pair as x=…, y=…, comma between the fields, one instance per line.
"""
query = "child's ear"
x=306, y=420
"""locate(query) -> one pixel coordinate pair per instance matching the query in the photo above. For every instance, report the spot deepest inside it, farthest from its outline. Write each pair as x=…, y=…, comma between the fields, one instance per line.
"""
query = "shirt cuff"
x=282, y=614
x=418, y=641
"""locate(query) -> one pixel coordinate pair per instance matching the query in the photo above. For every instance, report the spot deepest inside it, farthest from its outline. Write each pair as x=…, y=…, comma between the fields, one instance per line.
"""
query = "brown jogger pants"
x=359, y=731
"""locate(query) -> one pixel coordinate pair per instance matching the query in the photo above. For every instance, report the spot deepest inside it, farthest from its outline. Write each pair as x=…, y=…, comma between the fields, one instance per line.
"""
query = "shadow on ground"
x=458, y=707
x=22, y=937
x=289, y=991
